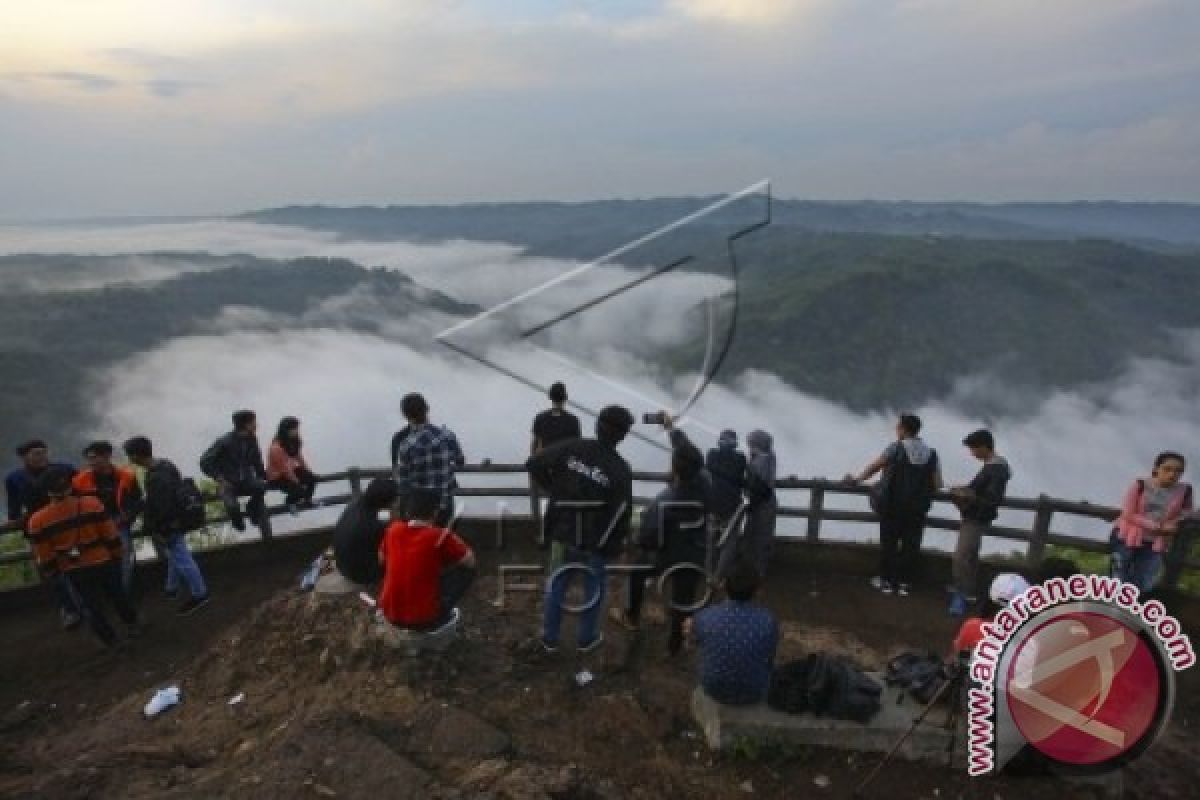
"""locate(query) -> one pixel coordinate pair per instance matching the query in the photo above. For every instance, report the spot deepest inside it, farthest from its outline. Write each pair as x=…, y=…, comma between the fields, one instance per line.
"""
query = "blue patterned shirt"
x=426, y=458
x=737, y=650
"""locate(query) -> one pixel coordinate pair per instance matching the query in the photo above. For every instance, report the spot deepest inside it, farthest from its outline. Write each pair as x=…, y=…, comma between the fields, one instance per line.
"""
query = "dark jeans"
x=60, y=587
x=684, y=577
x=454, y=585
x=90, y=585
x=299, y=491
x=900, y=546
x=256, y=507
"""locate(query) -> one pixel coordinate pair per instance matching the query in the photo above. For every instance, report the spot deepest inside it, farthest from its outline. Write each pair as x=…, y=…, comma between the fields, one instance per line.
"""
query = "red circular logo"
x=1085, y=688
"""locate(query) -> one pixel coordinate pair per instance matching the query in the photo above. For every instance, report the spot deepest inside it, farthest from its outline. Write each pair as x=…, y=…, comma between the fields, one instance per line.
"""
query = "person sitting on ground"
x=76, y=538
x=287, y=469
x=235, y=462
x=979, y=504
x=359, y=530
x=426, y=569
x=1149, y=520
x=555, y=424
x=1004, y=588
x=23, y=488
x=674, y=529
x=161, y=522
x=726, y=466
x=426, y=456
x=760, y=495
x=737, y=641
x=905, y=494
x=591, y=504
x=117, y=488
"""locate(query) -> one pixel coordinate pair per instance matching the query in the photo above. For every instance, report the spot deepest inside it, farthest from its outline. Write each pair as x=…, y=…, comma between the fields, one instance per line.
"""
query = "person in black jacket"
x=358, y=531
x=591, y=503
x=979, y=503
x=235, y=462
x=726, y=466
x=160, y=520
x=674, y=527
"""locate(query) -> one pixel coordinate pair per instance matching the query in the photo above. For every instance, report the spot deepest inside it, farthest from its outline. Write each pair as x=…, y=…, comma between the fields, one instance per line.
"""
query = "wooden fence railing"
x=1036, y=537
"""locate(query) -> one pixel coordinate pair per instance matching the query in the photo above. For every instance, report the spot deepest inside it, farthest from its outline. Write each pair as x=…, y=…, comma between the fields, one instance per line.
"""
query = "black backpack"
x=922, y=674
x=907, y=488
x=826, y=686
x=190, y=509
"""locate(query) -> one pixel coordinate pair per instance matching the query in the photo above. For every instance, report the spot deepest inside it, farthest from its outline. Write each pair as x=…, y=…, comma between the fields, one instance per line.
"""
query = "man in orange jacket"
x=117, y=488
x=75, y=537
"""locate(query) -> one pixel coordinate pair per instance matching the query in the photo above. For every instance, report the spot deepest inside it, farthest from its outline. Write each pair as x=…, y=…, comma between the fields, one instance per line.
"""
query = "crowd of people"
x=711, y=529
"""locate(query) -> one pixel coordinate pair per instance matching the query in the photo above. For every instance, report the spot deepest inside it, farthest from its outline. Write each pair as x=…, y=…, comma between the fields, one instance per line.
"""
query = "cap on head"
x=980, y=438
x=1005, y=587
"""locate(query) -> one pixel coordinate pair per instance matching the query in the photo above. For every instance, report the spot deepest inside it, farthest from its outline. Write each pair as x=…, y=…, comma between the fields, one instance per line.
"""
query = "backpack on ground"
x=826, y=686
x=922, y=674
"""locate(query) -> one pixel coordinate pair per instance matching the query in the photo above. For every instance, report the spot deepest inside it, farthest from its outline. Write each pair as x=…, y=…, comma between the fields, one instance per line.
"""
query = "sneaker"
x=592, y=645
x=958, y=605
x=193, y=605
x=70, y=620
x=239, y=524
x=622, y=618
x=880, y=585
x=548, y=647
x=903, y=590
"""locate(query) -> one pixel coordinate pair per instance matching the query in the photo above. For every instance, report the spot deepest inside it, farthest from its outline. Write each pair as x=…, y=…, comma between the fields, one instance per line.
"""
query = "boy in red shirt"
x=426, y=569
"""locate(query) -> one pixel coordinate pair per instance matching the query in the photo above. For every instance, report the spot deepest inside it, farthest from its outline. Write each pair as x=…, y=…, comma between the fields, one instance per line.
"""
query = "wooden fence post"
x=355, y=478
x=535, y=508
x=1041, y=531
x=816, y=506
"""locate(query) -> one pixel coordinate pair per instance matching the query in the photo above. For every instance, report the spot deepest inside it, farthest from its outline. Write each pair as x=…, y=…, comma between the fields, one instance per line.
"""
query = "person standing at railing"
x=555, y=424
x=25, y=496
x=591, y=504
x=287, y=469
x=726, y=466
x=762, y=506
x=427, y=457
x=235, y=462
x=1150, y=516
x=117, y=488
x=902, y=499
x=979, y=504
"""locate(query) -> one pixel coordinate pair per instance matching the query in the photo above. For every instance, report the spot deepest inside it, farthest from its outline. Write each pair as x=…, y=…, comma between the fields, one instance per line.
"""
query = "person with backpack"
x=737, y=641
x=1150, y=515
x=74, y=537
x=426, y=456
x=591, y=504
x=555, y=424
x=979, y=504
x=170, y=512
x=902, y=499
x=117, y=488
x=762, y=506
x=235, y=462
x=358, y=531
x=287, y=469
x=726, y=466
x=674, y=530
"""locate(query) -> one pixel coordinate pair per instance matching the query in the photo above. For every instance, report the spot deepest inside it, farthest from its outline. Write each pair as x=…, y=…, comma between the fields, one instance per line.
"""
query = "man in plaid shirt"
x=426, y=456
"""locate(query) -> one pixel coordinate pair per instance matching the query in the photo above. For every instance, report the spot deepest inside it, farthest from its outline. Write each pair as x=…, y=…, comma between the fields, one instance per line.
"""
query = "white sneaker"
x=880, y=585
x=903, y=589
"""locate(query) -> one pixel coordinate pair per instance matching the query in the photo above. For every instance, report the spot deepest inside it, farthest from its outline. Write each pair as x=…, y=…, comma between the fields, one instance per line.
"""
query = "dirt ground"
x=329, y=712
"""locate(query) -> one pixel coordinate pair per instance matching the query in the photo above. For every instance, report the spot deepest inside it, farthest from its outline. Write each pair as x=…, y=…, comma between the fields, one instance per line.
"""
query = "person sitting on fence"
x=1149, y=520
x=76, y=538
x=979, y=504
x=426, y=569
x=162, y=521
x=726, y=466
x=1004, y=588
x=235, y=462
x=287, y=469
x=117, y=488
x=555, y=424
x=674, y=528
x=902, y=500
x=737, y=641
x=760, y=495
x=23, y=489
x=426, y=456
x=359, y=530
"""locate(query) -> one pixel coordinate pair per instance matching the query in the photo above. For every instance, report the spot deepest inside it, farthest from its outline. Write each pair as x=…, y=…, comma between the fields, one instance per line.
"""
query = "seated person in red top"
x=426, y=569
x=1005, y=587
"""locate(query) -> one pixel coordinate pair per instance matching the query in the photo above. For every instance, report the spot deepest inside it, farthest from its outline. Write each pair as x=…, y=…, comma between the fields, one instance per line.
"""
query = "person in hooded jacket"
x=760, y=496
x=235, y=462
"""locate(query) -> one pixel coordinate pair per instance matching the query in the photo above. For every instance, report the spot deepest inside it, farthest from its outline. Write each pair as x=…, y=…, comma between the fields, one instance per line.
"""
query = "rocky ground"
x=328, y=711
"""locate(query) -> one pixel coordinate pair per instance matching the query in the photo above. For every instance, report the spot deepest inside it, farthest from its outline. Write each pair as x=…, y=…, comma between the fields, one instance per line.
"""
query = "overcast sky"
x=210, y=106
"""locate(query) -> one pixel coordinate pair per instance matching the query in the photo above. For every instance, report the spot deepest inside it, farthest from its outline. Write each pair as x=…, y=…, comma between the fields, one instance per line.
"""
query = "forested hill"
x=588, y=230
x=54, y=341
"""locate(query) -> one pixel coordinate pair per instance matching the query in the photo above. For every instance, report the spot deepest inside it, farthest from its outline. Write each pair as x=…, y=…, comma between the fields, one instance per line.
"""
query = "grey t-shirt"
x=1155, y=500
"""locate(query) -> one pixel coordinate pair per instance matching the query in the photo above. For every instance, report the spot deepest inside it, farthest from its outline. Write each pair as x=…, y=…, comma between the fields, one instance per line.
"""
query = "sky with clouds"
x=111, y=107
